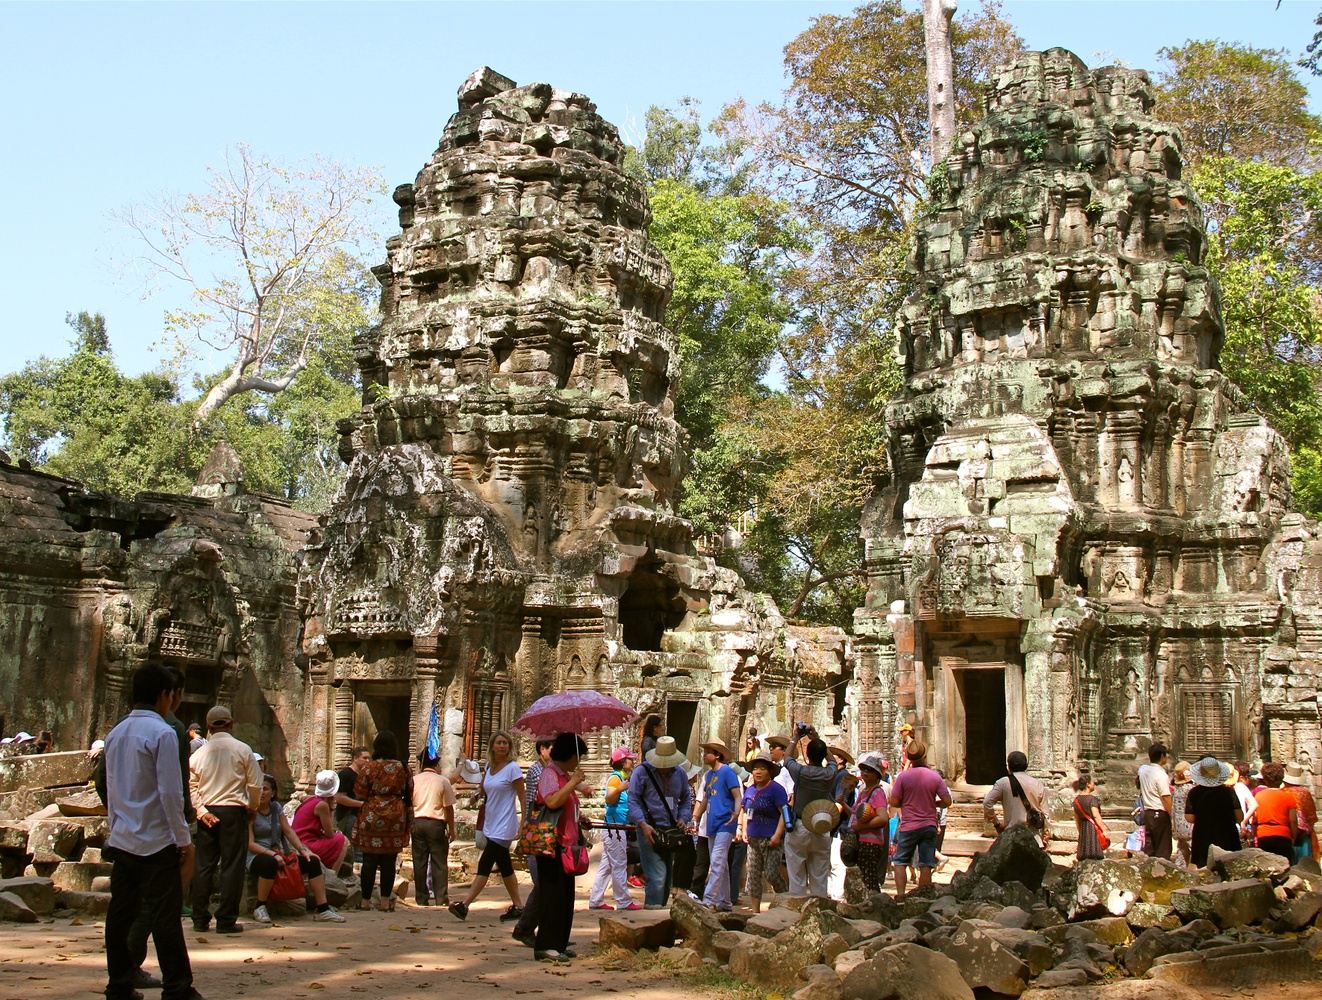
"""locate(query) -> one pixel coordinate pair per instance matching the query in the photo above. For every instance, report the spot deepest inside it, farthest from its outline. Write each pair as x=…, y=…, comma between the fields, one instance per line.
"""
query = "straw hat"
x=666, y=753
x=718, y=748
x=1210, y=772
x=470, y=771
x=1232, y=775
x=916, y=750
x=328, y=783
x=1295, y=774
x=841, y=752
x=819, y=815
x=778, y=742
x=762, y=760
x=1180, y=773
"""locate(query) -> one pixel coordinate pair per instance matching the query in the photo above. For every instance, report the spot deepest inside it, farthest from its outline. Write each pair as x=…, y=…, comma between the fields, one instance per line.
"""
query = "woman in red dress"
x=386, y=790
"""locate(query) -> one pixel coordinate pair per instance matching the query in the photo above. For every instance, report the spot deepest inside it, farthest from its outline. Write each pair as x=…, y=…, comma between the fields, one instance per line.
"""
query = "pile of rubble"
x=1015, y=925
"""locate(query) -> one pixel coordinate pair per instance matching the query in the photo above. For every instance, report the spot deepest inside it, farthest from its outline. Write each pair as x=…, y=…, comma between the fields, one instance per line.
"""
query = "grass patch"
x=708, y=980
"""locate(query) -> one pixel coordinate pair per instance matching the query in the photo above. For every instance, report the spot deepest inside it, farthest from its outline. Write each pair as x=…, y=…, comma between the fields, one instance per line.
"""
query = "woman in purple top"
x=762, y=828
x=871, y=820
x=917, y=792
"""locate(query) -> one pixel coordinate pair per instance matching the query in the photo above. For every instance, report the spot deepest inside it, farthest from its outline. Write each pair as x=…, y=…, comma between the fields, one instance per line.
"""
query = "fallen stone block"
x=680, y=958
x=55, y=840
x=1227, y=904
x=1300, y=912
x=984, y=963
x=1130, y=989
x=46, y=770
x=14, y=835
x=823, y=984
x=1251, y=862
x=1213, y=967
x=1057, y=977
x=93, y=904
x=1099, y=888
x=905, y=972
x=83, y=803
x=771, y=922
x=637, y=929
x=1159, y=878
x=1109, y=930
x=37, y=893
x=101, y=883
x=79, y=875
x=15, y=910
x=1014, y=856
x=1143, y=915
x=1146, y=949
x=726, y=941
x=337, y=889
x=695, y=924
x=1031, y=946
x=1012, y=916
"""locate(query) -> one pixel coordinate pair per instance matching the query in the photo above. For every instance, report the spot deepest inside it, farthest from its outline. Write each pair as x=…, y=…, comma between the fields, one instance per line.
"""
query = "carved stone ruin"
x=1086, y=541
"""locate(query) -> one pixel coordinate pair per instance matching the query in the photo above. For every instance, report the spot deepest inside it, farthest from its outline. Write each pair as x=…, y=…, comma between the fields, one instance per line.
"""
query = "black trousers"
x=367, y=874
x=221, y=848
x=265, y=866
x=146, y=889
x=527, y=925
x=1157, y=831
x=555, y=904
x=431, y=849
x=700, y=865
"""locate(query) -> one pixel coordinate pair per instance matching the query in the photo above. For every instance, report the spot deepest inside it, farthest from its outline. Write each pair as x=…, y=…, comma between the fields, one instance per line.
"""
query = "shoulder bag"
x=541, y=834
x=671, y=837
x=1103, y=841
x=1037, y=820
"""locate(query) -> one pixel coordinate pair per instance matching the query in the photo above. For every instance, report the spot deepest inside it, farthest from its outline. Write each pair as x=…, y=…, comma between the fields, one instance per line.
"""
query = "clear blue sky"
x=110, y=103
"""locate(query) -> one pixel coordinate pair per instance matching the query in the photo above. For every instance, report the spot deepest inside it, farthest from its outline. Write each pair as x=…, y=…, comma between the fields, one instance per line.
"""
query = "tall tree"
x=257, y=251
x=937, y=15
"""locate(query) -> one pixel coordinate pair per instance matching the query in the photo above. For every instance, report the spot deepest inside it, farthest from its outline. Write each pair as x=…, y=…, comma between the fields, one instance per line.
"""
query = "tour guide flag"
x=434, y=734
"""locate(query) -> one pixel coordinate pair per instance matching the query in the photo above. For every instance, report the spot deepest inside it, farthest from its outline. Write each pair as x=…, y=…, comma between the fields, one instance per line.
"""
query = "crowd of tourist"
x=192, y=808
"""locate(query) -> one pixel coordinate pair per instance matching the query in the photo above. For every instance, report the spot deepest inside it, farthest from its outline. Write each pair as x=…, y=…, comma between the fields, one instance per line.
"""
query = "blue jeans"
x=656, y=870
x=718, y=890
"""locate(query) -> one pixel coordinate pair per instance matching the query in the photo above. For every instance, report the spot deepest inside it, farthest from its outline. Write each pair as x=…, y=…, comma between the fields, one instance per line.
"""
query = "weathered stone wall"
x=1081, y=509
x=92, y=585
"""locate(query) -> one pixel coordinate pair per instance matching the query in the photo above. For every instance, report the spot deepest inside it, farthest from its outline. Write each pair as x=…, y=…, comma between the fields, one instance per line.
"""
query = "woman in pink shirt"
x=557, y=789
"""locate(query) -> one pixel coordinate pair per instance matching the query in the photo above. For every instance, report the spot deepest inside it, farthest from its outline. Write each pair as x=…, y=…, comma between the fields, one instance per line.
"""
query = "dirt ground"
x=411, y=953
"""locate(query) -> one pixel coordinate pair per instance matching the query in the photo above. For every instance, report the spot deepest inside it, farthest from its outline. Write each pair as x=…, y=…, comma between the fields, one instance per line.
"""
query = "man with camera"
x=661, y=807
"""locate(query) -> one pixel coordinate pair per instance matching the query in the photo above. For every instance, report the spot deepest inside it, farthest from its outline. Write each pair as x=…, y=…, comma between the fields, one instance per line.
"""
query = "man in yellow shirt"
x=226, y=787
x=433, y=831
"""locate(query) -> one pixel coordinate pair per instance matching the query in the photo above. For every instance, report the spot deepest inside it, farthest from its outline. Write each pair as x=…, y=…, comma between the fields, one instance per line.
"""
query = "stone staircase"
x=967, y=834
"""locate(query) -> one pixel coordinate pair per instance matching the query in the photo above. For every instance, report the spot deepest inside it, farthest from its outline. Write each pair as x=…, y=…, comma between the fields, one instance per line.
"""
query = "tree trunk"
x=937, y=15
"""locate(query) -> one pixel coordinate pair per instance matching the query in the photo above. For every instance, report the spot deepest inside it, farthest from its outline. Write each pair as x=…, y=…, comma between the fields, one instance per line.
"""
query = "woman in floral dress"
x=386, y=790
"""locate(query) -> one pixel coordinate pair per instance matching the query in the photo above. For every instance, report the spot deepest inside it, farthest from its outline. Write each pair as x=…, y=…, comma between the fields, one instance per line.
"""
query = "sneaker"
x=144, y=980
x=631, y=906
x=460, y=910
x=330, y=915
x=261, y=915
x=235, y=928
x=569, y=953
x=656, y=906
x=527, y=940
x=549, y=956
x=201, y=926
x=513, y=913
x=636, y=881
x=600, y=906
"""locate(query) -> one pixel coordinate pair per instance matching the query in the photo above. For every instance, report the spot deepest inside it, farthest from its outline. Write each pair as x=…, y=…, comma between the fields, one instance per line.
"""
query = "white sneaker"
x=330, y=915
x=261, y=916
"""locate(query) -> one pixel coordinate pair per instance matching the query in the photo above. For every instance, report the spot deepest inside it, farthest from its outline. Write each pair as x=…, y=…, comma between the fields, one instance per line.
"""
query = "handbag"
x=1037, y=820
x=669, y=839
x=288, y=882
x=1103, y=841
x=574, y=860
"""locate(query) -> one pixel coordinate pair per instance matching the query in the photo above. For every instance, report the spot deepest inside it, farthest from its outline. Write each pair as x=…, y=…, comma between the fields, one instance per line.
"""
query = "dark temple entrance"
x=983, y=695
x=380, y=706
x=682, y=724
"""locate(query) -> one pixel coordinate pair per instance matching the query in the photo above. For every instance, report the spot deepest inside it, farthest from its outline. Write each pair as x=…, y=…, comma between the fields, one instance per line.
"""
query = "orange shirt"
x=1273, y=812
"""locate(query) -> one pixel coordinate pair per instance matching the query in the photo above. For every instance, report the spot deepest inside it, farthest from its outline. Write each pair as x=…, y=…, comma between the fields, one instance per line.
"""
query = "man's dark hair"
x=195, y=728
x=567, y=746
x=357, y=750
x=1156, y=752
x=385, y=746
x=1017, y=761
x=816, y=751
x=150, y=681
x=176, y=676
x=426, y=761
x=543, y=744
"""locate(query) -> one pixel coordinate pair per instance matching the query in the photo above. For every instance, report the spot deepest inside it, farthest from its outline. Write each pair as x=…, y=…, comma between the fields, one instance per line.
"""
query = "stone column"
x=424, y=696
x=318, y=741
x=342, y=726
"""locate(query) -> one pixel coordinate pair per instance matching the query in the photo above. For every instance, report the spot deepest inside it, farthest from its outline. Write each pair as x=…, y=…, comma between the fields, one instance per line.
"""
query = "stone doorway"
x=982, y=693
x=201, y=692
x=682, y=724
x=379, y=706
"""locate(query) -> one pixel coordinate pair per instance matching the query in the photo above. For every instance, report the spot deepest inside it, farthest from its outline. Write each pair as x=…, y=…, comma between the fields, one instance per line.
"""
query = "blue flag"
x=434, y=734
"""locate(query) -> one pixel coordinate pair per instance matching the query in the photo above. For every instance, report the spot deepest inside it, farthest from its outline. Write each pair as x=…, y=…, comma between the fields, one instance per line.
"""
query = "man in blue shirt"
x=721, y=804
x=148, y=839
x=660, y=798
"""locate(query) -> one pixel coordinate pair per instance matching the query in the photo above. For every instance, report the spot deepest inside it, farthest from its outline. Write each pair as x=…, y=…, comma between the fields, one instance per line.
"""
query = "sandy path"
x=413, y=952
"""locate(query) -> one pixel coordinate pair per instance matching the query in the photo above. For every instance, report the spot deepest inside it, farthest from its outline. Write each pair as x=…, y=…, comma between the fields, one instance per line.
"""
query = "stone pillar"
x=342, y=726
x=319, y=722
x=424, y=696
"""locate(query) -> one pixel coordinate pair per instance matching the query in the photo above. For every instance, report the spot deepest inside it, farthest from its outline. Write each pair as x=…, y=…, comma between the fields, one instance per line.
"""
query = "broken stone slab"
x=101, y=883
x=1012, y=916
x=638, y=929
x=55, y=840
x=985, y=963
x=905, y=972
x=1014, y=856
x=337, y=890
x=879, y=906
x=46, y=770
x=823, y=984
x=1228, y=904
x=84, y=803
x=15, y=910
x=1160, y=878
x=481, y=84
x=1250, y=862
x=1144, y=915
x=14, y=835
x=696, y=924
x=1130, y=989
x=1300, y=912
x=1097, y=888
x=1147, y=948
x=771, y=922
x=680, y=958
x=79, y=875
x=726, y=941
x=1233, y=968
x=1057, y=977
x=1031, y=946
x=37, y=893
x=1109, y=930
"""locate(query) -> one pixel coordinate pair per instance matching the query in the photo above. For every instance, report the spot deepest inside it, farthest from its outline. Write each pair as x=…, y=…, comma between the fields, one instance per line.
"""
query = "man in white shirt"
x=1154, y=790
x=226, y=786
x=1014, y=807
x=148, y=839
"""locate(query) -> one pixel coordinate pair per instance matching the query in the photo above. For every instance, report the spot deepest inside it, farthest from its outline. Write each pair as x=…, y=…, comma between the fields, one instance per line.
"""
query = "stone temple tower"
x=507, y=528
x=1086, y=541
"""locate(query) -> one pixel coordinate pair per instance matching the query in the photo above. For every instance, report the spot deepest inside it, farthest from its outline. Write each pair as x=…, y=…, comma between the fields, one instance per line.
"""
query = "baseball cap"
x=622, y=753
x=218, y=713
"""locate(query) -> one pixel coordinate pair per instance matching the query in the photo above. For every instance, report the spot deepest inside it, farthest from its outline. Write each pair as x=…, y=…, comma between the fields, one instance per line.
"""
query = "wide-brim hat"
x=470, y=771
x=718, y=748
x=1210, y=772
x=666, y=753
x=779, y=742
x=819, y=815
x=1295, y=774
x=762, y=760
x=690, y=769
x=328, y=784
x=841, y=752
x=1180, y=772
x=873, y=762
x=1232, y=778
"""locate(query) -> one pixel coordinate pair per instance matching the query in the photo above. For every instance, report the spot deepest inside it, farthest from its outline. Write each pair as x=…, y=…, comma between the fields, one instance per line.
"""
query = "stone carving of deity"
x=1133, y=710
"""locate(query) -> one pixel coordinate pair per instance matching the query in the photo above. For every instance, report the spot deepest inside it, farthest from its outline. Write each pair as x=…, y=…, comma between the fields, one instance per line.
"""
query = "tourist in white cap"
x=314, y=823
x=273, y=844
